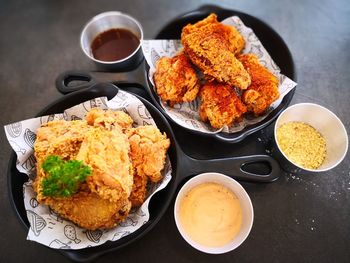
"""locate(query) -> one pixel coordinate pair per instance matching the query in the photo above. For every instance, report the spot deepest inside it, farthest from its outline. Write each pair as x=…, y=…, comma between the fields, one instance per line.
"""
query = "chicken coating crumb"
x=176, y=80
x=263, y=90
x=148, y=152
x=220, y=105
x=212, y=46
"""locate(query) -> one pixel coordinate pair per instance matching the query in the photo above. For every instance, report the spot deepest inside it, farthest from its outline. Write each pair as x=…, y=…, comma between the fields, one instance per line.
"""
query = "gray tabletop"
x=302, y=217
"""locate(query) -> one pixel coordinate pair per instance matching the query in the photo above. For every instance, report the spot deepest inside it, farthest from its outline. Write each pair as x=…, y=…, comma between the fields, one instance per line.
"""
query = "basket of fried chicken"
x=218, y=77
x=93, y=171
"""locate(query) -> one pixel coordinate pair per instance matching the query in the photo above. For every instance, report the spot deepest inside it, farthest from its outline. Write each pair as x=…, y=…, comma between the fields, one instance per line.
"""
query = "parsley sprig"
x=64, y=177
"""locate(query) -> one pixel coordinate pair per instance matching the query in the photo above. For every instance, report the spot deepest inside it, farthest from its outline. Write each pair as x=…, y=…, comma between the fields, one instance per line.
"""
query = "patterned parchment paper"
x=47, y=227
x=186, y=114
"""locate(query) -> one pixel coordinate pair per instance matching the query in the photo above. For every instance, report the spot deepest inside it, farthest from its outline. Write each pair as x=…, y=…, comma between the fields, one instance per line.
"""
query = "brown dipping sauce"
x=114, y=44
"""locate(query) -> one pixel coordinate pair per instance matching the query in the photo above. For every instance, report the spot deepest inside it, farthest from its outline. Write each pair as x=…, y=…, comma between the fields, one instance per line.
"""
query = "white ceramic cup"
x=326, y=123
x=245, y=202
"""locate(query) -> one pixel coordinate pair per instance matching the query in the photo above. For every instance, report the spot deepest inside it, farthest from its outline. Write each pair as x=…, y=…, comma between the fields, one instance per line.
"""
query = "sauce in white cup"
x=197, y=204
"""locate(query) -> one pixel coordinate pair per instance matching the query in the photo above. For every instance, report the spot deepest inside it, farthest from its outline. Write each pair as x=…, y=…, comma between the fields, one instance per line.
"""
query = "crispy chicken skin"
x=176, y=80
x=264, y=86
x=220, y=105
x=148, y=152
x=212, y=46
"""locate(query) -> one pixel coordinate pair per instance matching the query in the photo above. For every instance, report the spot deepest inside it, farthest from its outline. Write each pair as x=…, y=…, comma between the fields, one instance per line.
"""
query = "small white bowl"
x=245, y=202
x=326, y=123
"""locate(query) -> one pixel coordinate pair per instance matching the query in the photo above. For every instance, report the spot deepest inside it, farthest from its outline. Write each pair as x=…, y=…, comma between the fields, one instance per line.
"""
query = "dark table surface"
x=301, y=217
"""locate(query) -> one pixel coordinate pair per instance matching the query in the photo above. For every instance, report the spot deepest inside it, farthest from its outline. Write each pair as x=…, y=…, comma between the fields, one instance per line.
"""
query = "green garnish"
x=64, y=177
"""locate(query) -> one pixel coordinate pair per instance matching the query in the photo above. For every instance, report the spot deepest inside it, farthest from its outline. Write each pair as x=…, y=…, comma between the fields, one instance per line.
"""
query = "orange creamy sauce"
x=210, y=214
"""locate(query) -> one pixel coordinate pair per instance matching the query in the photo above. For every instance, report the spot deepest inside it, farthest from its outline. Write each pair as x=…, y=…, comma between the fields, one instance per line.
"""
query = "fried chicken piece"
x=109, y=119
x=148, y=152
x=176, y=80
x=103, y=200
x=60, y=138
x=88, y=210
x=107, y=153
x=212, y=46
x=139, y=190
x=220, y=105
x=234, y=40
x=263, y=90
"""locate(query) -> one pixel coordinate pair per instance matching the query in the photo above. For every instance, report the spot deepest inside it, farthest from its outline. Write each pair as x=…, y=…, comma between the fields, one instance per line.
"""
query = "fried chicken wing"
x=148, y=152
x=176, y=80
x=220, y=105
x=264, y=86
x=212, y=46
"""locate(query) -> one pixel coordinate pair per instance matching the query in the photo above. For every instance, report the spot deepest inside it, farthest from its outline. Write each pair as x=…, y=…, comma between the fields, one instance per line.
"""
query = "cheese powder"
x=302, y=144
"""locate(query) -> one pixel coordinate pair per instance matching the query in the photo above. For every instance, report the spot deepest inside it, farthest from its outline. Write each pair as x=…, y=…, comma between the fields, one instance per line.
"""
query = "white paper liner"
x=48, y=228
x=186, y=114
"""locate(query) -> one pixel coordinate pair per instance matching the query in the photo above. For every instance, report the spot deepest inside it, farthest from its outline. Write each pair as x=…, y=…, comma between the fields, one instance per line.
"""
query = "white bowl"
x=245, y=202
x=326, y=123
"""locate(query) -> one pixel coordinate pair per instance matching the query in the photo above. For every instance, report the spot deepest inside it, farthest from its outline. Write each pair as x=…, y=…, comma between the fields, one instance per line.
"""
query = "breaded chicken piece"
x=220, y=105
x=109, y=119
x=263, y=90
x=103, y=200
x=60, y=138
x=176, y=80
x=208, y=45
x=107, y=153
x=148, y=152
x=234, y=40
x=88, y=210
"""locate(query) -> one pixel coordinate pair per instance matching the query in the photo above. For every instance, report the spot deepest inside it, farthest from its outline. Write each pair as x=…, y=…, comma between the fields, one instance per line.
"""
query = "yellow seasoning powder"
x=302, y=144
x=210, y=214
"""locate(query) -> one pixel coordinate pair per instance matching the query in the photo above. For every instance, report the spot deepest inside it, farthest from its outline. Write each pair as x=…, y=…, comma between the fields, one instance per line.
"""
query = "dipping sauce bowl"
x=220, y=209
x=102, y=28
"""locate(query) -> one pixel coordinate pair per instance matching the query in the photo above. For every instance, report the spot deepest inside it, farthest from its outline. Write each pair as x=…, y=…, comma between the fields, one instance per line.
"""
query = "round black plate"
x=159, y=202
x=273, y=43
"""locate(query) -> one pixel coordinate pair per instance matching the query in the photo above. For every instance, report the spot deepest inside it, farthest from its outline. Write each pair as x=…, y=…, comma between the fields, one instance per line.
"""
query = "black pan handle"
x=68, y=77
x=243, y=168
